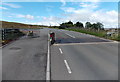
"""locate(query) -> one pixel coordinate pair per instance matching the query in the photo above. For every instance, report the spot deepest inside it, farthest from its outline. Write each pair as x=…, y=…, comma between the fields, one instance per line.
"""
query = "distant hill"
x=5, y=24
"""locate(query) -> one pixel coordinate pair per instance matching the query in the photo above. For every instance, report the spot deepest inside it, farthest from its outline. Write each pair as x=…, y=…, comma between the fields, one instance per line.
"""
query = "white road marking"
x=68, y=68
x=87, y=43
x=61, y=51
x=48, y=62
x=116, y=41
x=70, y=35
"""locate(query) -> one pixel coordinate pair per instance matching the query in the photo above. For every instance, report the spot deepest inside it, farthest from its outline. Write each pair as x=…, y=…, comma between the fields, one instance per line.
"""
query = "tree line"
x=88, y=25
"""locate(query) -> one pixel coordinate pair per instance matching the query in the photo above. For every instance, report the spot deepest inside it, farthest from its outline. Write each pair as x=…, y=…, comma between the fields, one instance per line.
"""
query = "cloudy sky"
x=54, y=13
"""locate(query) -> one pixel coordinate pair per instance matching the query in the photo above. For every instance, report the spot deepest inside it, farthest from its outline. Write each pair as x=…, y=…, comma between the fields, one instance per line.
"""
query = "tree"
x=97, y=26
x=62, y=26
x=88, y=25
x=94, y=26
x=79, y=24
x=100, y=26
x=66, y=25
x=70, y=23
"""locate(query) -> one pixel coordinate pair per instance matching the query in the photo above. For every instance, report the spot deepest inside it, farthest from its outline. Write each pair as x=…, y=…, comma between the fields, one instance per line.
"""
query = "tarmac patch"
x=14, y=48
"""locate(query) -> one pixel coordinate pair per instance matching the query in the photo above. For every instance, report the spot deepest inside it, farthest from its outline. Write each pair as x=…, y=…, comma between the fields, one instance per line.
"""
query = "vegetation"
x=88, y=25
x=91, y=32
x=96, y=26
x=96, y=29
x=66, y=25
x=79, y=24
x=5, y=24
x=11, y=31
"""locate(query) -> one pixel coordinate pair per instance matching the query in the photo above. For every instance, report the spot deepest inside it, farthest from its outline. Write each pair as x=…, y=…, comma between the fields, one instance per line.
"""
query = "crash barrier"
x=10, y=34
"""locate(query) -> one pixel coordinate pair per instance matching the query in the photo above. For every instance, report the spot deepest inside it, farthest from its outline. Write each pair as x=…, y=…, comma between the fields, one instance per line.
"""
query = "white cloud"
x=38, y=16
x=52, y=20
x=26, y=16
x=11, y=5
x=49, y=8
x=63, y=2
x=68, y=9
x=85, y=7
x=33, y=0
x=10, y=16
x=91, y=0
x=76, y=11
x=29, y=17
x=91, y=5
x=112, y=13
x=59, y=0
x=108, y=18
x=88, y=12
x=4, y=8
x=45, y=23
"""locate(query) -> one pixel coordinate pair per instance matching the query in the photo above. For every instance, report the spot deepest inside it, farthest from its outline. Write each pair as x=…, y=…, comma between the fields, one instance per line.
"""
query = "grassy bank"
x=15, y=25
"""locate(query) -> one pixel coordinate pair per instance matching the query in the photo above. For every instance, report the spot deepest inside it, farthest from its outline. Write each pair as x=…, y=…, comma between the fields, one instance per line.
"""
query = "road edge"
x=48, y=63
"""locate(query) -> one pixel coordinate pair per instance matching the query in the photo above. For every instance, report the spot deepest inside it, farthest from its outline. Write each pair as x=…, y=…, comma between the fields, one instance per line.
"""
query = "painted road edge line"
x=48, y=63
x=70, y=35
x=68, y=68
x=61, y=51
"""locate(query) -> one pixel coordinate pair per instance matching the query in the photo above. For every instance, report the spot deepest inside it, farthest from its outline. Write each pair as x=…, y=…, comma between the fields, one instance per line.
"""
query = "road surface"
x=77, y=56
x=25, y=59
x=74, y=56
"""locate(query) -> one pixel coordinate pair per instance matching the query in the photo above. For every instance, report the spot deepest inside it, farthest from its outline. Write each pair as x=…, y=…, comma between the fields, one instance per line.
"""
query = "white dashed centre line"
x=70, y=35
x=68, y=68
x=61, y=51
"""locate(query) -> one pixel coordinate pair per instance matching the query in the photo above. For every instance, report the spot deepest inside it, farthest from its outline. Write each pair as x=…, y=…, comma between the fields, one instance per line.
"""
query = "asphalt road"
x=74, y=56
x=77, y=56
x=25, y=59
